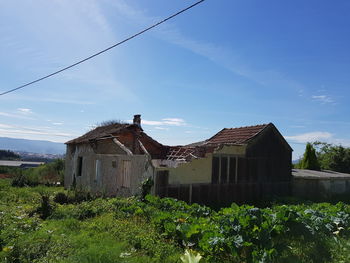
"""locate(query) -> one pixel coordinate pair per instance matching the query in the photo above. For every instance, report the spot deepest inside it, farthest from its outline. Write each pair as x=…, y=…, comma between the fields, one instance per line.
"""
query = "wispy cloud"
x=84, y=23
x=42, y=133
x=164, y=122
x=310, y=137
x=16, y=115
x=322, y=98
x=223, y=56
x=24, y=111
x=161, y=128
x=174, y=121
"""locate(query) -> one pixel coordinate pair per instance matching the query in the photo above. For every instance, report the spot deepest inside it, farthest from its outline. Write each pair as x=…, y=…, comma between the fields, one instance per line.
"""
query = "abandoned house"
x=237, y=164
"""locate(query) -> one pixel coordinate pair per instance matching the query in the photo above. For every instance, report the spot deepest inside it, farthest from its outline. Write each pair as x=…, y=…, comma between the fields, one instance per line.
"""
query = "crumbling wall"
x=200, y=170
x=195, y=171
x=102, y=169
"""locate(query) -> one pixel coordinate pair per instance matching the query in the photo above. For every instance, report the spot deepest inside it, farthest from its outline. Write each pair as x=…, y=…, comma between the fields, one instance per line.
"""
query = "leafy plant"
x=190, y=257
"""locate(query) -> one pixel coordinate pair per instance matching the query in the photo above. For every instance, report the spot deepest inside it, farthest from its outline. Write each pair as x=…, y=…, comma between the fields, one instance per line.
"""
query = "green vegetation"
x=47, y=174
x=325, y=156
x=48, y=224
x=12, y=171
x=9, y=155
x=309, y=160
x=333, y=157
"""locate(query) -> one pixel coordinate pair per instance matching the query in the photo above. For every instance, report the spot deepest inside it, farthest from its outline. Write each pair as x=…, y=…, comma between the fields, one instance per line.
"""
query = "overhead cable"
x=104, y=50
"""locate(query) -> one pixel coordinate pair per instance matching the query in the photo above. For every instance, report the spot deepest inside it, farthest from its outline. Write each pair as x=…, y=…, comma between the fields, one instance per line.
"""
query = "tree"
x=9, y=155
x=333, y=157
x=310, y=160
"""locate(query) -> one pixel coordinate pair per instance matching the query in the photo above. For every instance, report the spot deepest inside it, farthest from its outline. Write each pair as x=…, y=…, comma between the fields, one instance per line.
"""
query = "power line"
x=104, y=50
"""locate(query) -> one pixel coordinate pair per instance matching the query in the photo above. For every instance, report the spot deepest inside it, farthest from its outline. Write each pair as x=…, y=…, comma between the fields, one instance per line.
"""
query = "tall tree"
x=310, y=160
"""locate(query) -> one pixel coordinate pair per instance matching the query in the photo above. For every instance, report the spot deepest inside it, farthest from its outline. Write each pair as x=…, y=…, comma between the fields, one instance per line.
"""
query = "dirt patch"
x=4, y=176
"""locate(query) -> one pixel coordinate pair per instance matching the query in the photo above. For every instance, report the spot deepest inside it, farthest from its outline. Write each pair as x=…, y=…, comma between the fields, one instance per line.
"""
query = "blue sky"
x=226, y=63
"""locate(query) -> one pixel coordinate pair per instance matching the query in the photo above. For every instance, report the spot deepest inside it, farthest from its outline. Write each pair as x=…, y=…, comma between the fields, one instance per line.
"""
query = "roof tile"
x=236, y=135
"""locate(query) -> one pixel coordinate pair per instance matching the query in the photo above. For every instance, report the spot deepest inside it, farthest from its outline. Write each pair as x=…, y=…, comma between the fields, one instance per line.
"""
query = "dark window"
x=215, y=170
x=232, y=172
x=162, y=180
x=223, y=177
x=80, y=166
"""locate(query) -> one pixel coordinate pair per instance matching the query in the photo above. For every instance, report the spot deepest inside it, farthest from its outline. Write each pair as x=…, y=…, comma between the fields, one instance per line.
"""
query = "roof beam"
x=122, y=146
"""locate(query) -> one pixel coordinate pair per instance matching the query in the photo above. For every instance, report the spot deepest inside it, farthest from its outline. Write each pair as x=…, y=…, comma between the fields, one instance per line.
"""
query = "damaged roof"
x=225, y=136
x=237, y=135
x=100, y=132
x=184, y=153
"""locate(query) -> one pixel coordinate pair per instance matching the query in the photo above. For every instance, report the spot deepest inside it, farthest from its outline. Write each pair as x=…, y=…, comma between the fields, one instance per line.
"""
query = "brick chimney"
x=137, y=120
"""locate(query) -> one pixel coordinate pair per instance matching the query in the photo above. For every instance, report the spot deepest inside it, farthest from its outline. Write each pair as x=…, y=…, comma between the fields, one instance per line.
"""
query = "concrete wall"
x=320, y=189
x=107, y=178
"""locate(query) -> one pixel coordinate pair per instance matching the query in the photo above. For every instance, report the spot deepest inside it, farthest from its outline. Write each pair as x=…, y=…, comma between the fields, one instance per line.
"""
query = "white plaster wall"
x=110, y=169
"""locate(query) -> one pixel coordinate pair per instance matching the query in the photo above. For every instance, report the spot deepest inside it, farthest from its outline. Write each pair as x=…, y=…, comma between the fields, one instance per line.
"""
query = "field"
x=49, y=224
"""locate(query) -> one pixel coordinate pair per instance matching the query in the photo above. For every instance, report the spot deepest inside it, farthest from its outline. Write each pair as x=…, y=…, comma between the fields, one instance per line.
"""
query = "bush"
x=61, y=198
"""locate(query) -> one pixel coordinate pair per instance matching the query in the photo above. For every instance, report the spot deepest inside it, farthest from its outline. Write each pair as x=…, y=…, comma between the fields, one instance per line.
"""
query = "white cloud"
x=322, y=98
x=310, y=137
x=218, y=54
x=161, y=128
x=80, y=22
x=6, y=114
x=164, y=122
x=152, y=123
x=18, y=116
x=24, y=111
x=174, y=121
x=34, y=133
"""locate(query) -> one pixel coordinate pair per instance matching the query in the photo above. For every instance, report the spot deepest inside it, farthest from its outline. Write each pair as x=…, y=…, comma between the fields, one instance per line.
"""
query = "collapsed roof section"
x=227, y=136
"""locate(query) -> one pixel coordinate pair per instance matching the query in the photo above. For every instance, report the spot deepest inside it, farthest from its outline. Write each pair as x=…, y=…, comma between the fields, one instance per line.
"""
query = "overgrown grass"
x=84, y=232
x=159, y=230
x=47, y=174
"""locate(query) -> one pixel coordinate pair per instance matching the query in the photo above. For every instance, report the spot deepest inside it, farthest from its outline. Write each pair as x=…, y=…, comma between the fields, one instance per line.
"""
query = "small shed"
x=320, y=185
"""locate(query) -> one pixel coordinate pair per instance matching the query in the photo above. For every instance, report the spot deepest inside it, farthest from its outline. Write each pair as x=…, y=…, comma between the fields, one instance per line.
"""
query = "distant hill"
x=33, y=146
x=296, y=161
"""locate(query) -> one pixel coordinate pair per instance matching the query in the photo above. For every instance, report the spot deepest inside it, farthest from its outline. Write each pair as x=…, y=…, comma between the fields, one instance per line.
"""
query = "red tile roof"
x=236, y=135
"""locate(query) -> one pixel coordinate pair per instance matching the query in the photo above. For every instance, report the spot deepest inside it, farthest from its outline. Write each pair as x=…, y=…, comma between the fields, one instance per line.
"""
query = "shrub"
x=146, y=187
x=61, y=198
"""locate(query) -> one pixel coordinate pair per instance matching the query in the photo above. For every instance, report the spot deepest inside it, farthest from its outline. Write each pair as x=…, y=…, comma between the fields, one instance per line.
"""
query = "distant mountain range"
x=32, y=146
